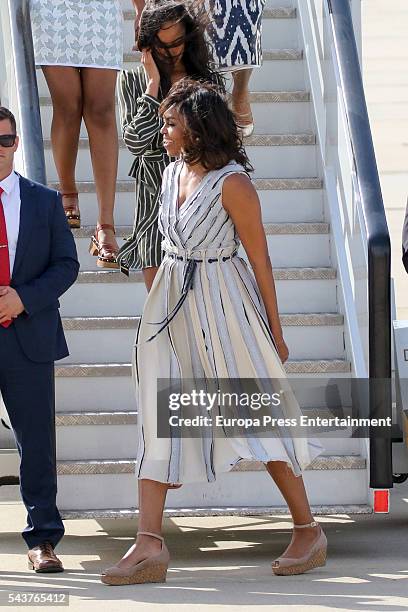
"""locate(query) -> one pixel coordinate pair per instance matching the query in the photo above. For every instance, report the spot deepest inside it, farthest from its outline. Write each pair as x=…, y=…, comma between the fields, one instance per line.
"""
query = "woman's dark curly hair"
x=212, y=137
x=197, y=56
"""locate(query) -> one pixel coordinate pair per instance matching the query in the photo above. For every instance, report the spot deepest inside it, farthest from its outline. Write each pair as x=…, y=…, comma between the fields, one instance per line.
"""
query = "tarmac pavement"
x=221, y=563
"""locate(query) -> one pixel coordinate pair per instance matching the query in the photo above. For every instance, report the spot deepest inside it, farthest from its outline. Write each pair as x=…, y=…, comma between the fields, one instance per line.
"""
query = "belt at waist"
x=143, y=162
x=225, y=252
x=190, y=257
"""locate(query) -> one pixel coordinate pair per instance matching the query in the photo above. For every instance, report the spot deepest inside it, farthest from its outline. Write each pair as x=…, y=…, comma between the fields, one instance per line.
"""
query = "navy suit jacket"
x=46, y=265
x=405, y=240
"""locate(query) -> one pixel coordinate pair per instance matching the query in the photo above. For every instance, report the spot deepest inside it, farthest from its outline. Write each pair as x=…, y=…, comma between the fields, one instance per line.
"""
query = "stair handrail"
x=31, y=140
x=366, y=181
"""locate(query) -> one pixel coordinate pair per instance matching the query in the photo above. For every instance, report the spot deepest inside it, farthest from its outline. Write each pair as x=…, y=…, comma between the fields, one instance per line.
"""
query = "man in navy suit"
x=38, y=263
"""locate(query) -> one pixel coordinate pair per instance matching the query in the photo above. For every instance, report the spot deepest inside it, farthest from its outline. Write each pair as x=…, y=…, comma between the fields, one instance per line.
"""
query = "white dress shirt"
x=11, y=206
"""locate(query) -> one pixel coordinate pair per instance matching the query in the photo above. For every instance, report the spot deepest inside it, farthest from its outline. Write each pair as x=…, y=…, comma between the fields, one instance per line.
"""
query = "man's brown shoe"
x=42, y=559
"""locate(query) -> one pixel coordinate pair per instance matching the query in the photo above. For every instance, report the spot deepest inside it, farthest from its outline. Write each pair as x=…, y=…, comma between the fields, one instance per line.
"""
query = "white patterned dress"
x=235, y=31
x=79, y=33
x=216, y=329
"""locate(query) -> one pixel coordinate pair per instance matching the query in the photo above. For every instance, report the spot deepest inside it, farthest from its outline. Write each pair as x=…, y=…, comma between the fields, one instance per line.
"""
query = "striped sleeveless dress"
x=204, y=319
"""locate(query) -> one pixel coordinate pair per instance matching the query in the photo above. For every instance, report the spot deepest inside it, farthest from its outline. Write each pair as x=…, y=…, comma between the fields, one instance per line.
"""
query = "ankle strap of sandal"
x=312, y=524
x=154, y=535
x=70, y=195
x=102, y=226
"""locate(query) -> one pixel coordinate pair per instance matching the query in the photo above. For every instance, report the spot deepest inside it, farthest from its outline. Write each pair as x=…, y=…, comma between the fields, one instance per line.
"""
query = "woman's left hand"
x=282, y=349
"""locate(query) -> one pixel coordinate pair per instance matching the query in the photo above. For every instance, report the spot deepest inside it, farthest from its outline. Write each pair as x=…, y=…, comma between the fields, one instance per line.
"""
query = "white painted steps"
x=92, y=435
x=271, y=26
x=108, y=387
x=289, y=244
x=298, y=200
x=112, y=484
x=272, y=155
x=95, y=397
x=273, y=111
x=276, y=70
x=94, y=295
x=82, y=386
x=313, y=335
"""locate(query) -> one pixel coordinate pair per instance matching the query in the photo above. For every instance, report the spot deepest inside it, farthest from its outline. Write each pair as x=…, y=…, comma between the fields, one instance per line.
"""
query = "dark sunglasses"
x=176, y=43
x=7, y=140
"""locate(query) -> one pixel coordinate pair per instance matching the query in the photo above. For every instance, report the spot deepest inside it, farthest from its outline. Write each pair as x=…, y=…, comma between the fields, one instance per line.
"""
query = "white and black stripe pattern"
x=221, y=331
x=141, y=123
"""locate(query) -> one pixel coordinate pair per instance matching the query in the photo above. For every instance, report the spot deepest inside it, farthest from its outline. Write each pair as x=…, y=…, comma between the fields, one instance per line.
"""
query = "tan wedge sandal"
x=72, y=212
x=152, y=569
x=316, y=557
x=102, y=249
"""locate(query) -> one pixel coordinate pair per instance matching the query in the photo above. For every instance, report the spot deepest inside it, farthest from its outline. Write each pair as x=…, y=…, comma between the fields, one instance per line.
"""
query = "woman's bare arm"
x=139, y=5
x=241, y=201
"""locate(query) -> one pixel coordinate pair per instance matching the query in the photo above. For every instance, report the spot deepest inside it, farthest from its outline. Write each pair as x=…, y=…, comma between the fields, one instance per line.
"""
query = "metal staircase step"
x=132, y=513
x=256, y=140
x=95, y=370
x=293, y=154
x=114, y=276
x=262, y=97
x=274, y=69
x=308, y=336
x=269, y=55
x=98, y=323
x=268, y=13
x=96, y=434
x=74, y=419
x=261, y=184
x=128, y=466
x=112, y=485
x=315, y=227
x=89, y=296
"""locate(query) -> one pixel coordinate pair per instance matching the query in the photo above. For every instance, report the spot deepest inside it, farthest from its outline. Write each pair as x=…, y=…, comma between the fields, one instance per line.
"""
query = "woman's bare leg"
x=293, y=490
x=98, y=86
x=149, y=274
x=240, y=97
x=152, y=497
x=65, y=88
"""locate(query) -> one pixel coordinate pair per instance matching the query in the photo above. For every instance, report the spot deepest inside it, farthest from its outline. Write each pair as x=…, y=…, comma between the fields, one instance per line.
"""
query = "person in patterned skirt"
x=79, y=46
x=234, y=29
x=235, y=32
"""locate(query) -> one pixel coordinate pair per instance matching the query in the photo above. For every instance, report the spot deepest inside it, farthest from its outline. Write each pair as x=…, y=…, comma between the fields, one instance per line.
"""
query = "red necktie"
x=4, y=254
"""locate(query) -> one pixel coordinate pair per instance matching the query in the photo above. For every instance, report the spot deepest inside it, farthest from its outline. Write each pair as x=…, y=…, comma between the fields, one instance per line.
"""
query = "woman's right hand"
x=150, y=68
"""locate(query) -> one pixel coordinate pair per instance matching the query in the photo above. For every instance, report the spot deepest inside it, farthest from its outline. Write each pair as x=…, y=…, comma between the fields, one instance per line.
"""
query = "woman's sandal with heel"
x=316, y=557
x=151, y=569
x=105, y=252
x=245, y=129
x=73, y=217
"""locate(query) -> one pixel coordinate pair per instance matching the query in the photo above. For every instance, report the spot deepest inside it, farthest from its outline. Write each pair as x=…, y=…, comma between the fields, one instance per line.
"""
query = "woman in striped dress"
x=173, y=46
x=207, y=319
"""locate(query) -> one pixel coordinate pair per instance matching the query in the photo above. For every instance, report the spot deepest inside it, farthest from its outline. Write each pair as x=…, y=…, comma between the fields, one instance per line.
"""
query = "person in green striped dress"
x=173, y=45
